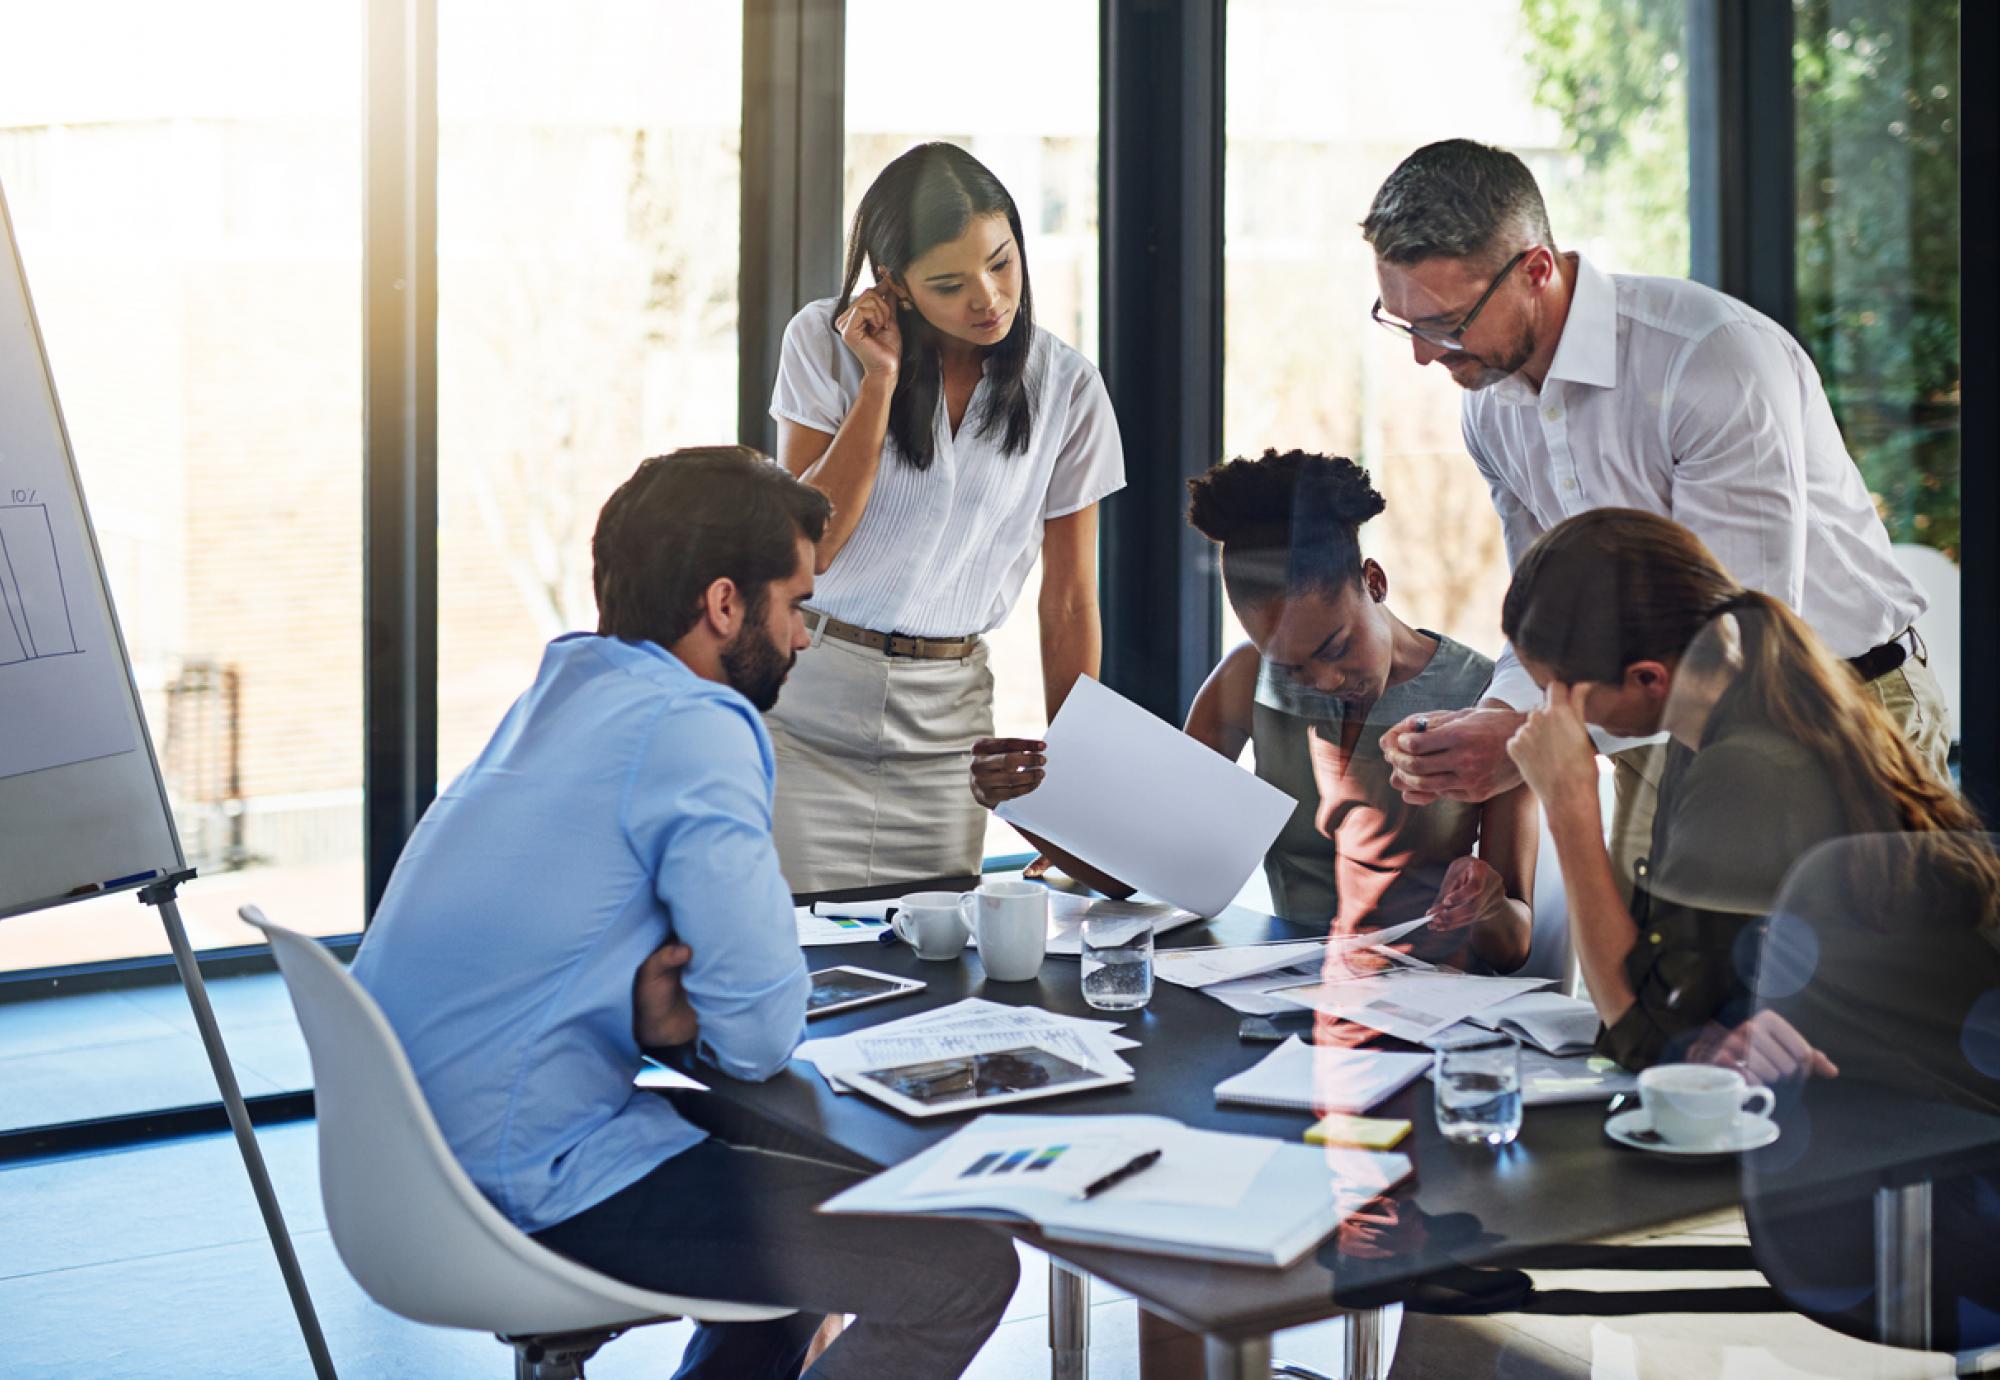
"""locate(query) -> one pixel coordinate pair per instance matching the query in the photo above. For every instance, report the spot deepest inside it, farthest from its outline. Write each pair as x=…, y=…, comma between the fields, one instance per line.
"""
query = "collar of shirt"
x=1587, y=353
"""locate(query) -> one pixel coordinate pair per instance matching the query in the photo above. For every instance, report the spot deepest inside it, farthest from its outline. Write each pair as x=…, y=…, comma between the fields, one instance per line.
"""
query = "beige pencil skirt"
x=874, y=757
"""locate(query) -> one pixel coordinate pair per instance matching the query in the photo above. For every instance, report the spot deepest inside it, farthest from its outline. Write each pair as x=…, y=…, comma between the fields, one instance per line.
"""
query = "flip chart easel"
x=81, y=795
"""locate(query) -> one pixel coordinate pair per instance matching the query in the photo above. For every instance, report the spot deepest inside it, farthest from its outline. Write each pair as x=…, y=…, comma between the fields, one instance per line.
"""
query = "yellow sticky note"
x=1365, y=1133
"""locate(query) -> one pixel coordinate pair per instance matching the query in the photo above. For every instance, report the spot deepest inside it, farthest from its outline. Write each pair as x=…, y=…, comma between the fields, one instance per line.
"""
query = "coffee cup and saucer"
x=1694, y=1110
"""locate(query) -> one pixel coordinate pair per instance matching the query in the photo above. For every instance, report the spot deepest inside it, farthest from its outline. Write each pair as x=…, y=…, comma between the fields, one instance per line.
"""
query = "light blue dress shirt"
x=622, y=801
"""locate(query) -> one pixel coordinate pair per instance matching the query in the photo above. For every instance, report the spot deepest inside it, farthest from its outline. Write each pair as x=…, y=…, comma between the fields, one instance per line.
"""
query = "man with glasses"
x=1585, y=389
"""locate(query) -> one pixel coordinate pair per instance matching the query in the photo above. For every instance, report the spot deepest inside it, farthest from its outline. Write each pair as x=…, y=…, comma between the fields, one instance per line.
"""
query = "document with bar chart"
x=39, y=622
x=65, y=691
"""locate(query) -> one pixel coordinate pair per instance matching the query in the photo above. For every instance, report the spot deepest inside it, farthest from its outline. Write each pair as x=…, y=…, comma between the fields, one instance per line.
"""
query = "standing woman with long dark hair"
x=957, y=441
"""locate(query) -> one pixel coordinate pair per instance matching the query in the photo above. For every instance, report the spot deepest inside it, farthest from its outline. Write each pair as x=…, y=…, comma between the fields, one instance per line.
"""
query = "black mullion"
x=399, y=427
x=794, y=97
x=1161, y=151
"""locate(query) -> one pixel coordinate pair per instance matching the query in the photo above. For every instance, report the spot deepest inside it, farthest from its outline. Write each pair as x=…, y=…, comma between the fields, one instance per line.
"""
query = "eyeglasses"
x=1440, y=338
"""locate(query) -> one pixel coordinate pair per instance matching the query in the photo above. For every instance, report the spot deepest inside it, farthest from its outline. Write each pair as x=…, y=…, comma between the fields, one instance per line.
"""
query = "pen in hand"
x=1120, y=1174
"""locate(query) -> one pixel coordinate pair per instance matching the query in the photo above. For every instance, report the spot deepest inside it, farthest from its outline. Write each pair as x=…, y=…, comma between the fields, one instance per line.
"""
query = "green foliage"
x=1877, y=96
x=1612, y=71
x=1878, y=234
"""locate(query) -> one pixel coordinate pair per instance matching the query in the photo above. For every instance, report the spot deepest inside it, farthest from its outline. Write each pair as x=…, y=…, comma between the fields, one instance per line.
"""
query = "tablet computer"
x=836, y=989
x=987, y=1079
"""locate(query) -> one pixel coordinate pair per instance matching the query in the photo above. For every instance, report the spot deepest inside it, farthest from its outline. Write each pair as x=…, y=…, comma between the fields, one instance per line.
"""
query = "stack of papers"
x=1209, y=1196
x=970, y=1027
x=1550, y=1021
x=1245, y=977
x=1408, y=1003
x=1133, y=796
x=1306, y=1078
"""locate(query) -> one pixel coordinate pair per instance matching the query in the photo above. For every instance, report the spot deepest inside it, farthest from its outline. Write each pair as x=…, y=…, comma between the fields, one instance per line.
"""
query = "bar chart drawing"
x=38, y=623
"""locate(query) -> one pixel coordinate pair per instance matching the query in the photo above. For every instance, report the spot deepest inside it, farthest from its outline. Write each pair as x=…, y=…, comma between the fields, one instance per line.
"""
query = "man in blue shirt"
x=603, y=878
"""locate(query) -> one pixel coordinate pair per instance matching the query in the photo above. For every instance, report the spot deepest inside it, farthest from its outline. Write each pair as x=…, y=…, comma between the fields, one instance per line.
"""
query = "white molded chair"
x=410, y=1226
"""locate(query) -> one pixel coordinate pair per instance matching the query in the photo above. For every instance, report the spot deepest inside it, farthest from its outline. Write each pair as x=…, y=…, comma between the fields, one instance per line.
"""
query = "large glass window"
x=187, y=199
x=1325, y=97
x=588, y=187
x=1877, y=103
x=1019, y=90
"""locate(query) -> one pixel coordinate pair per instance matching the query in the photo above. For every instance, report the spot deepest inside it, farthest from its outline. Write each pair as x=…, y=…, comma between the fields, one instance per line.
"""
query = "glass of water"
x=1478, y=1088
x=1117, y=962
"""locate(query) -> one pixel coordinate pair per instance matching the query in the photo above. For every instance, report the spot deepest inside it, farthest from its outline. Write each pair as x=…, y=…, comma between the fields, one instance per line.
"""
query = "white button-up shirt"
x=1671, y=397
x=944, y=552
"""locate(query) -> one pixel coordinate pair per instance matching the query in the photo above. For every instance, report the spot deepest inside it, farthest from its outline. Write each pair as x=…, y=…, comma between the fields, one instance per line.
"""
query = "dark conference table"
x=1562, y=1182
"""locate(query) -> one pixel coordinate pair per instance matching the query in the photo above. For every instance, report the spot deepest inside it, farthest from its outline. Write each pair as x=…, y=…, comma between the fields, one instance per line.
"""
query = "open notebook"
x=1309, y=1078
x=1245, y=1200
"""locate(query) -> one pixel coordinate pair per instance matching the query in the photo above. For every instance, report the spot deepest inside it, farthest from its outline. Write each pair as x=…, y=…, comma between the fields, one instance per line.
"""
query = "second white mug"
x=1011, y=920
x=932, y=924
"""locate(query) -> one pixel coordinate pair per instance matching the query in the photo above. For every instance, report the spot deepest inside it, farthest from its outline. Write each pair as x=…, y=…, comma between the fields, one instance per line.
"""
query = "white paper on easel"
x=1135, y=797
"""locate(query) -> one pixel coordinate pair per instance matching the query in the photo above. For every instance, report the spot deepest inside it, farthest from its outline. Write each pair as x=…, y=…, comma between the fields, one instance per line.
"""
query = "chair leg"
x=559, y=1356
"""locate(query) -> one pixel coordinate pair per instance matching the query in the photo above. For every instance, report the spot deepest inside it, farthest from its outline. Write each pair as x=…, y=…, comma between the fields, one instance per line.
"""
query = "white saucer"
x=1635, y=1128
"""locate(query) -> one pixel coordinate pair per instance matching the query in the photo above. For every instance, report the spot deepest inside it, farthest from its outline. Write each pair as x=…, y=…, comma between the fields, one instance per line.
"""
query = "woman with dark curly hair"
x=1328, y=667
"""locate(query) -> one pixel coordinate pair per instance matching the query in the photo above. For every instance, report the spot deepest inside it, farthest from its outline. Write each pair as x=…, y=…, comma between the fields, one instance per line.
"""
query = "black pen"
x=1121, y=1174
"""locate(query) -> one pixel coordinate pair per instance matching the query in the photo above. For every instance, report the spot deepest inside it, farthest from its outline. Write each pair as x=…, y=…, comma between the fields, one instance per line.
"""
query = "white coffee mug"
x=931, y=923
x=1700, y=1104
x=1012, y=922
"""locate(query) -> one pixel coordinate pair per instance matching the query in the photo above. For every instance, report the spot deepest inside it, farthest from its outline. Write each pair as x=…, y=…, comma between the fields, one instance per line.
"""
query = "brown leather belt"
x=1880, y=661
x=892, y=644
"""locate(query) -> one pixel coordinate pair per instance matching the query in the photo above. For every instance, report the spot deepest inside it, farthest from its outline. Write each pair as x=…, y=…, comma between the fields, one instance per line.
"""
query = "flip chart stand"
x=161, y=895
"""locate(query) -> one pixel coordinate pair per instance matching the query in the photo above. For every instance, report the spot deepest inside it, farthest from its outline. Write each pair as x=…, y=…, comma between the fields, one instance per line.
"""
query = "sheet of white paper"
x=993, y=1162
x=1252, y=995
x=1323, y=1076
x=1131, y=794
x=62, y=683
x=815, y=931
x=1195, y=1168
x=1207, y=967
x=1198, y=1169
x=1410, y=1005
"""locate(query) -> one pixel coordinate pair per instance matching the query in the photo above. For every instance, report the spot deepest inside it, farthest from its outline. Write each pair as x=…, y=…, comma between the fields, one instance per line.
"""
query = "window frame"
x=1160, y=190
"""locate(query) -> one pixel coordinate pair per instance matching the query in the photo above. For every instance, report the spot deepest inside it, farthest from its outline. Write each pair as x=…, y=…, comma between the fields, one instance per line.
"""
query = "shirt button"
x=1552, y=413
x=1569, y=486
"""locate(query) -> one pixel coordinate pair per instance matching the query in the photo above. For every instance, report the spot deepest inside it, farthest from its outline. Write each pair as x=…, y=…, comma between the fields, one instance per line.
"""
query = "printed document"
x=1132, y=795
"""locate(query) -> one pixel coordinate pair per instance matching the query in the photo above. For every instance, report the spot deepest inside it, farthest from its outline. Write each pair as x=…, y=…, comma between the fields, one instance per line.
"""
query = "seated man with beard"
x=602, y=878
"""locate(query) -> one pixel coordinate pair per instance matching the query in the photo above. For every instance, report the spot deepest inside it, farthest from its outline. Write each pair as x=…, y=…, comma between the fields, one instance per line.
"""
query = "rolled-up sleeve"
x=700, y=806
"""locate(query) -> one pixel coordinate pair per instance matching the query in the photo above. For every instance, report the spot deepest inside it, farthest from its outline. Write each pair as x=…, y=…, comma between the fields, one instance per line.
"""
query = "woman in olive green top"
x=1629, y=623
x=1327, y=669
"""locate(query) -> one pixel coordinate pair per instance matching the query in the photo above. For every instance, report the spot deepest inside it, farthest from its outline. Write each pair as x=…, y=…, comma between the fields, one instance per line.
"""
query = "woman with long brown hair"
x=1630, y=623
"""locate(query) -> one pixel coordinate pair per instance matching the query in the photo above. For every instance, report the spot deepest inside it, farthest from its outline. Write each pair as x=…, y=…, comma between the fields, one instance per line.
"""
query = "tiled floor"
x=115, y=1053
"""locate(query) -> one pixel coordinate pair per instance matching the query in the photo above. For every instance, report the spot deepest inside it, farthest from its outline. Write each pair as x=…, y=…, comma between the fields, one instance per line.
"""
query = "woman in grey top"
x=1327, y=669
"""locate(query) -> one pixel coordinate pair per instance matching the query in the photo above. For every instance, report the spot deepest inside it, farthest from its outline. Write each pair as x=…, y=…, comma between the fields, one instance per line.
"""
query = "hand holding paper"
x=1135, y=797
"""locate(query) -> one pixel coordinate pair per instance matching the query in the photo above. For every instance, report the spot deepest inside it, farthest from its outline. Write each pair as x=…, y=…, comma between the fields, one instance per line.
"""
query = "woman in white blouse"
x=957, y=441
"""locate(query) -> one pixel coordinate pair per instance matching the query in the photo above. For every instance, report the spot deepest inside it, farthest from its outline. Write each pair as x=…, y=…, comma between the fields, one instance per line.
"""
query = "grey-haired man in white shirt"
x=1591, y=390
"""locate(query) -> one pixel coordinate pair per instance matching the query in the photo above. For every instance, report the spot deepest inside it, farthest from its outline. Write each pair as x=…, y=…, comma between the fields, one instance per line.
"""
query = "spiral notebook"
x=1300, y=1077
